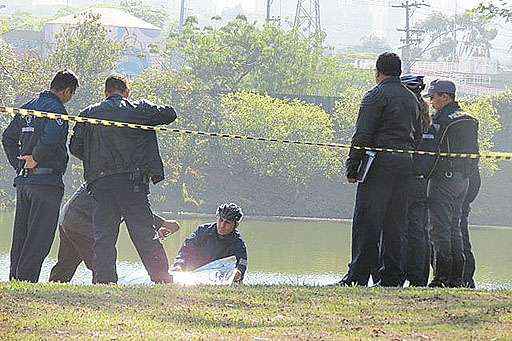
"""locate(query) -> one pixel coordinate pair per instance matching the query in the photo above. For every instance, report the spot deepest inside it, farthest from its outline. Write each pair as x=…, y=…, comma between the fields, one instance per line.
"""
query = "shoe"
x=437, y=283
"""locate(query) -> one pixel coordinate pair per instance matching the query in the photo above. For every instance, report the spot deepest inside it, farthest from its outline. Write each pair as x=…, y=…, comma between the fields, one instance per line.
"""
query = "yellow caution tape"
x=70, y=118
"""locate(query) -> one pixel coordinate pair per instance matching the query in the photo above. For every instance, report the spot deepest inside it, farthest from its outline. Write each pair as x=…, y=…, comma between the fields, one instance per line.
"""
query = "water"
x=303, y=253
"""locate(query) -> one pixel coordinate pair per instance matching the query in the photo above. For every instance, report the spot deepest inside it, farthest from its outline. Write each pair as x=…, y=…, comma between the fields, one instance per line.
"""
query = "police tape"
x=107, y=123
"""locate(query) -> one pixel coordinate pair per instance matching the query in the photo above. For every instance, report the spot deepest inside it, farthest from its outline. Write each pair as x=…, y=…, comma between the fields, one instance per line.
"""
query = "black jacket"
x=206, y=245
x=388, y=117
x=453, y=131
x=44, y=139
x=107, y=151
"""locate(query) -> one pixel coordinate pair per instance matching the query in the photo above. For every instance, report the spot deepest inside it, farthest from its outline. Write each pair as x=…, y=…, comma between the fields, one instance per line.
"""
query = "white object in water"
x=218, y=272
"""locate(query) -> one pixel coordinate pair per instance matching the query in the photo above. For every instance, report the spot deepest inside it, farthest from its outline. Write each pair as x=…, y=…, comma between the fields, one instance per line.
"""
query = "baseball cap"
x=441, y=86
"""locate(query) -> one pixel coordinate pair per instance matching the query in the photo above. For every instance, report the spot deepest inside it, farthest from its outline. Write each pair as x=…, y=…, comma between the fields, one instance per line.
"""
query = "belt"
x=37, y=171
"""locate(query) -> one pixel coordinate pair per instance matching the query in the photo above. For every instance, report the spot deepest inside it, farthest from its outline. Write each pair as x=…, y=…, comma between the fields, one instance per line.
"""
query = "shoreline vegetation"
x=50, y=311
x=286, y=219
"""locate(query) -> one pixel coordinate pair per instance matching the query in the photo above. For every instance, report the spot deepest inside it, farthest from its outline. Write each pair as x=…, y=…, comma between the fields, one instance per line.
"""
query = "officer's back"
x=118, y=163
x=113, y=150
x=399, y=121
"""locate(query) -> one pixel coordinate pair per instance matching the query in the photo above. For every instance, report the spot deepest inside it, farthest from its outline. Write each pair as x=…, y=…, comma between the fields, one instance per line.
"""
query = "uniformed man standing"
x=455, y=132
x=215, y=241
x=36, y=149
x=418, y=246
x=77, y=235
x=388, y=118
x=119, y=163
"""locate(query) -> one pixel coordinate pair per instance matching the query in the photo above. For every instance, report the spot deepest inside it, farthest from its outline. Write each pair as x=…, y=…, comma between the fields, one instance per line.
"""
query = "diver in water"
x=215, y=241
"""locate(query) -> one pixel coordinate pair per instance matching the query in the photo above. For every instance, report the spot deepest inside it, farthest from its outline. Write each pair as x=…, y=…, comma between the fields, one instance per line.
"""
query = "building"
x=137, y=34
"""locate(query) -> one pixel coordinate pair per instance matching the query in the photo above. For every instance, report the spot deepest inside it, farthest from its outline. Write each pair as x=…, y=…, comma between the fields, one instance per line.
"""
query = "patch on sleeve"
x=242, y=261
x=27, y=129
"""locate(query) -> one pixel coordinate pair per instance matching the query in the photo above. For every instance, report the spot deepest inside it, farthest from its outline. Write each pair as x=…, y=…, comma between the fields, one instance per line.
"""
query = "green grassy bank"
x=63, y=311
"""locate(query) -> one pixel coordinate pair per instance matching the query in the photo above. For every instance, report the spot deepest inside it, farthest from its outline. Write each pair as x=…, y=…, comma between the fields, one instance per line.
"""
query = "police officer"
x=388, y=117
x=77, y=235
x=118, y=165
x=455, y=132
x=215, y=241
x=469, y=266
x=418, y=244
x=36, y=149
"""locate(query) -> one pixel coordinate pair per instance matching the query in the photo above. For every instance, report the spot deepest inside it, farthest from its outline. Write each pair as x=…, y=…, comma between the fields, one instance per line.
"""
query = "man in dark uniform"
x=77, y=235
x=388, y=118
x=36, y=149
x=118, y=165
x=215, y=241
x=418, y=246
x=455, y=132
x=469, y=266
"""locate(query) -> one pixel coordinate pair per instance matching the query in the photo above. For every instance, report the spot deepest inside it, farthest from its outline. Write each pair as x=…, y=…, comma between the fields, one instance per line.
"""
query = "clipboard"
x=366, y=164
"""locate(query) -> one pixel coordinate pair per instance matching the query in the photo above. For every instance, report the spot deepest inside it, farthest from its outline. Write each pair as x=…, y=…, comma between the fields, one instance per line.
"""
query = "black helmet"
x=231, y=212
x=413, y=82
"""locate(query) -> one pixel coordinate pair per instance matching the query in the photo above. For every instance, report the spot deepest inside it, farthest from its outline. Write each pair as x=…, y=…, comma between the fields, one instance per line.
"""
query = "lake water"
x=312, y=253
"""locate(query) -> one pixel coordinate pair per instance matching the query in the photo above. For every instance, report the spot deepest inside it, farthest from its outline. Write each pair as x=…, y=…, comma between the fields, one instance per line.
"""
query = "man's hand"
x=168, y=228
x=30, y=163
x=238, y=276
x=351, y=180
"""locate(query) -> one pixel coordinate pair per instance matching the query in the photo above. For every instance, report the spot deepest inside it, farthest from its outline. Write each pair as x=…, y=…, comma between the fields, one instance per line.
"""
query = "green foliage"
x=484, y=111
x=243, y=56
x=346, y=113
x=257, y=115
x=184, y=156
x=496, y=9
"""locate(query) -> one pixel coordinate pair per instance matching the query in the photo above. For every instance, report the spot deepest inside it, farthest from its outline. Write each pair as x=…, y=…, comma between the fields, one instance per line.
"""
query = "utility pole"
x=269, y=8
x=307, y=17
x=409, y=41
x=183, y=12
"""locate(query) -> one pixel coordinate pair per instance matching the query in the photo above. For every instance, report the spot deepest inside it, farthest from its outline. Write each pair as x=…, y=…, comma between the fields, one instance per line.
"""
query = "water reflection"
x=296, y=253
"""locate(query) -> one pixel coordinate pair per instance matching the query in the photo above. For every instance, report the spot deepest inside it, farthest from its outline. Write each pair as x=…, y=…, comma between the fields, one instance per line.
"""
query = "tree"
x=496, y=9
x=292, y=170
x=90, y=53
x=373, y=44
x=454, y=37
x=243, y=56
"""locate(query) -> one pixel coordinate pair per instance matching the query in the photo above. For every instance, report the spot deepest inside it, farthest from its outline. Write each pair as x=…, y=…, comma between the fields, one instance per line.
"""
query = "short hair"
x=63, y=80
x=389, y=64
x=115, y=83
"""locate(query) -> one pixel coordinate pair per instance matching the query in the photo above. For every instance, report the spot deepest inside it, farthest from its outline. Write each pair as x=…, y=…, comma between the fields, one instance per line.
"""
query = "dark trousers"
x=418, y=246
x=76, y=246
x=380, y=214
x=470, y=265
x=35, y=222
x=117, y=197
x=446, y=196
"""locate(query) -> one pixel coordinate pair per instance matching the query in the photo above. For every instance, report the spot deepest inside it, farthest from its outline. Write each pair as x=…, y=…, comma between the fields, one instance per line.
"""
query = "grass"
x=51, y=311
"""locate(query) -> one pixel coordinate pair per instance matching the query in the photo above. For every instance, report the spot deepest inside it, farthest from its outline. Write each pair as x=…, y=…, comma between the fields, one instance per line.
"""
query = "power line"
x=409, y=40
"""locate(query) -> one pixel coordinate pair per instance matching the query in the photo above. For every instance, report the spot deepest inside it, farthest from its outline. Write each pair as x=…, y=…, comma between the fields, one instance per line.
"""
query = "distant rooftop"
x=109, y=17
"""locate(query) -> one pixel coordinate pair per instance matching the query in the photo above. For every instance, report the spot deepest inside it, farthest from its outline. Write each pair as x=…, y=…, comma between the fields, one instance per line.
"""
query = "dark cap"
x=441, y=86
